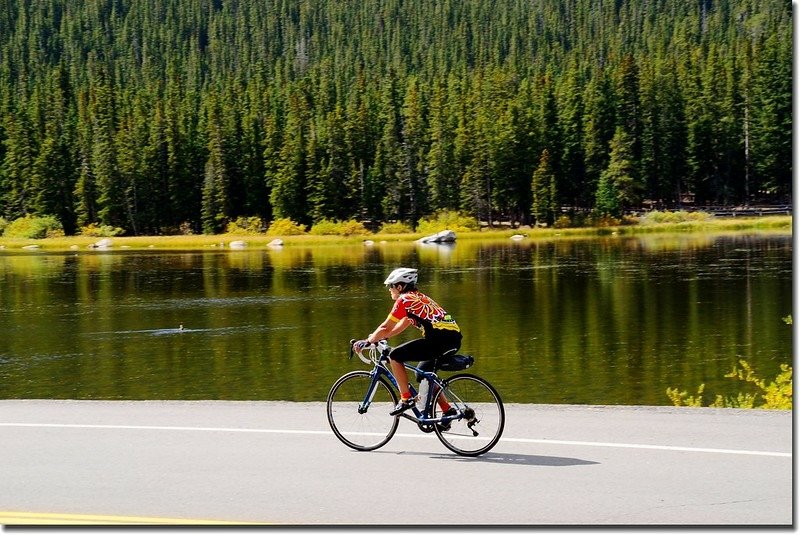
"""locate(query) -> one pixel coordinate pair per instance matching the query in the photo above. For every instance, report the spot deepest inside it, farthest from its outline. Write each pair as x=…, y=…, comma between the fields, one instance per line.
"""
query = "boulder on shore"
x=445, y=236
x=105, y=243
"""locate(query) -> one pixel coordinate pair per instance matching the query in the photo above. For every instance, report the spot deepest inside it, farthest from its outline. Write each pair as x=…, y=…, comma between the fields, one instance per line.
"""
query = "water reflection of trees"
x=578, y=321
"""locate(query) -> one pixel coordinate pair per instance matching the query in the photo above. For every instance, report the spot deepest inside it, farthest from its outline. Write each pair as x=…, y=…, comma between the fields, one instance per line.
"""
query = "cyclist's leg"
x=429, y=366
x=448, y=341
x=410, y=350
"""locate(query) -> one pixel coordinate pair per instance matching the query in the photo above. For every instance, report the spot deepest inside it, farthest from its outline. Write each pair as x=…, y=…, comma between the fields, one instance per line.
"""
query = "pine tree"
x=128, y=144
x=543, y=187
x=599, y=121
x=110, y=190
x=331, y=196
x=551, y=136
x=156, y=169
x=385, y=187
x=607, y=202
x=271, y=157
x=771, y=110
x=85, y=192
x=18, y=166
x=216, y=211
x=360, y=138
x=620, y=178
x=54, y=172
x=571, y=116
x=413, y=189
x=442, y=172
x=288, y=195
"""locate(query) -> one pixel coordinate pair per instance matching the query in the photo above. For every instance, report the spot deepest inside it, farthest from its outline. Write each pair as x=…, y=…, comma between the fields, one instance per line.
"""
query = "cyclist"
x=412, y=307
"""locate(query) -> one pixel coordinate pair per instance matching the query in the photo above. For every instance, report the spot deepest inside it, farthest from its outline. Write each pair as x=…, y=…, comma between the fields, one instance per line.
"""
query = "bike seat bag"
x=454, y=363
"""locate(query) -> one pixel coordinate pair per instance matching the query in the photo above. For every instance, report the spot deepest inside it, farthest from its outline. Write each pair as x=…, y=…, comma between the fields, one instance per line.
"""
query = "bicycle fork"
x=363, y=407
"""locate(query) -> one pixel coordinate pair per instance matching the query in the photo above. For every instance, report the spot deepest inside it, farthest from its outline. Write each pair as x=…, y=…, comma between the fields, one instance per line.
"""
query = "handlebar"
x=377, y=351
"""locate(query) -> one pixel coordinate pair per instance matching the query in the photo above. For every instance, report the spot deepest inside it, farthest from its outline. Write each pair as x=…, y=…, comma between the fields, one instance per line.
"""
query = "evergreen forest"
x=159, y=115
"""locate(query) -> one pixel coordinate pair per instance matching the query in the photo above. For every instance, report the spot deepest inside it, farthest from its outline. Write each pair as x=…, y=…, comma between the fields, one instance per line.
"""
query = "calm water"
x=597, y=321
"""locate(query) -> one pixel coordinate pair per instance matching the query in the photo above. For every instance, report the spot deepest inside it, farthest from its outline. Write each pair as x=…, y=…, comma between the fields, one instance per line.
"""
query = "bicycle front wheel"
x=358, y=411
x=483, y=415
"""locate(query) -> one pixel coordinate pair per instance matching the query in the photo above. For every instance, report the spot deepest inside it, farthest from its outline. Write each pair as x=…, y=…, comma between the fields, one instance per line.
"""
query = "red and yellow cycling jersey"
x=424, y=313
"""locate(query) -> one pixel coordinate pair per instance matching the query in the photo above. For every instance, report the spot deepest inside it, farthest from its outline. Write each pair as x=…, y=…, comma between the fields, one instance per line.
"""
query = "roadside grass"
x=780, y=223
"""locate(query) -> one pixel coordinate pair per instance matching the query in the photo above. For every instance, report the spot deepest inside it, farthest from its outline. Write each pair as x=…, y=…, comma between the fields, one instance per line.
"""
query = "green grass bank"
x=781, y=224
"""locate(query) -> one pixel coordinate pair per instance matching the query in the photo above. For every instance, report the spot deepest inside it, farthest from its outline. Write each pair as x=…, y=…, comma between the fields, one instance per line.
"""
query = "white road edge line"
x=404, y=435
x=650, y=447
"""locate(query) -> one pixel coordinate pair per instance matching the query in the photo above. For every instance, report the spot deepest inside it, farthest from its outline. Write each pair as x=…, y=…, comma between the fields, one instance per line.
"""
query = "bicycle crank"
x=425, y=428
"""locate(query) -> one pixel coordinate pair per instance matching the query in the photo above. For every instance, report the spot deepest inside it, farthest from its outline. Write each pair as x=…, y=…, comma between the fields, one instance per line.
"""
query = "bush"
x=185, y=229
x=447, y=220
x=563, y=221
x=100, y=231
x=397, y=227
x=353, y=228
x=604, y=221
x=775, y=395
x=245, y=225
x=327, y=227
x=34, y=227
x=681, y=216
x=286, y=227
x=3, y=224
x=577, y=219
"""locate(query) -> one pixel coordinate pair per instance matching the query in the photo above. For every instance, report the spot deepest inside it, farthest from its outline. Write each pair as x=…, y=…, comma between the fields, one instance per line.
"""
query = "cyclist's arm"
x=390, y=327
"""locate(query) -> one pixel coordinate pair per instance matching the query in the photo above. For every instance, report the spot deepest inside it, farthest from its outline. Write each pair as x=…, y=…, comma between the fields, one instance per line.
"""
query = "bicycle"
x=359, y=403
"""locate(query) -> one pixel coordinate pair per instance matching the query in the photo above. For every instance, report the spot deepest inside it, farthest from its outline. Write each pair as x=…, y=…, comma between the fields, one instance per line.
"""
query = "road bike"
x=359, y=403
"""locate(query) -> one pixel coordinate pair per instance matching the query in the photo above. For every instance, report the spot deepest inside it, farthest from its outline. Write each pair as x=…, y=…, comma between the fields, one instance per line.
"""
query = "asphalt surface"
x=84, y=462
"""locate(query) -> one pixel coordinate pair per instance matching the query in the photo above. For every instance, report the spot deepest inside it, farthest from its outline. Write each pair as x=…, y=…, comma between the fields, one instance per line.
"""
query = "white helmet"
x=401, y=276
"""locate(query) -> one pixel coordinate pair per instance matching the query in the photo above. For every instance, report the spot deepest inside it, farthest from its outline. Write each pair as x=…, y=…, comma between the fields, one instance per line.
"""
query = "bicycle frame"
x=377, y=358
x=464, y=410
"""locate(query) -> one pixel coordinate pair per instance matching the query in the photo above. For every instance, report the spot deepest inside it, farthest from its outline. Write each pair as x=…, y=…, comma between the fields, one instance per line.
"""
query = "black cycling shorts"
x=426, y=349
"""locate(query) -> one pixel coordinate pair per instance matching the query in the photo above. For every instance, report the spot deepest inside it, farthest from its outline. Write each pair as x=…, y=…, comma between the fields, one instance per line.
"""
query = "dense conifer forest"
x=152, y=115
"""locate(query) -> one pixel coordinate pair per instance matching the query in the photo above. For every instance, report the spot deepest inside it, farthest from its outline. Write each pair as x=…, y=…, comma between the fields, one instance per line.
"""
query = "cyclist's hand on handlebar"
x=359, y=345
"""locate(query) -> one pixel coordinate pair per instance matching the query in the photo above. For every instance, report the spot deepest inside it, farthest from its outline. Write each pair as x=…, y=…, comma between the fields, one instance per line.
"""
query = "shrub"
x=245, y=225
x=3, y=224
x=604, y=221
x=327, y=227
x=580, y=219
x=100, y=231
x=34, y=227
x=185, y=229
x=681, y=216
x=447, y=220
x=683, y=399
x=353, y=228
x=564, y=221
x=397, y=227
x=775, y=395
x=286, y=227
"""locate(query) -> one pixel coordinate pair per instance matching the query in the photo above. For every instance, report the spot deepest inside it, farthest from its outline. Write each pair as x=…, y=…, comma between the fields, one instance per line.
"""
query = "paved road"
x=278, y=462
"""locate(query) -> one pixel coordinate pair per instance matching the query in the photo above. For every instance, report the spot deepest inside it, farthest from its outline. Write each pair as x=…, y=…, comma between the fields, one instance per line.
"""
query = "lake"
x=611, y=320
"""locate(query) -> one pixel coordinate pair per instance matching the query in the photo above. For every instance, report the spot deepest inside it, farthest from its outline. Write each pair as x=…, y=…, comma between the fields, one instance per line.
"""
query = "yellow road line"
x=10, y=518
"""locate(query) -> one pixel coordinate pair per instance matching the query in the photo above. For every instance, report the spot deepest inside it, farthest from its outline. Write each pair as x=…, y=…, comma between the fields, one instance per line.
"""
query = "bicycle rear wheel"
x=484, y=416
x=362, y=426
